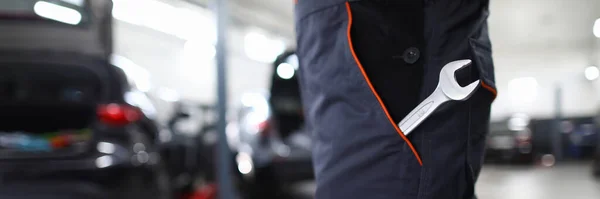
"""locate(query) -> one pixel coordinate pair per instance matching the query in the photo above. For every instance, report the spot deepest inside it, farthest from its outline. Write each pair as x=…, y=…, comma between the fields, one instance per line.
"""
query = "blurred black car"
x=272, y=146
x=510, y=141
x=72, y=113
x=191, y=147
x=596, y=163
x=69, y=113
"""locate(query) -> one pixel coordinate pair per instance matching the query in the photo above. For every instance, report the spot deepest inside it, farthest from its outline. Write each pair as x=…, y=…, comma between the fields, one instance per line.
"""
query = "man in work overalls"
x=364, y=65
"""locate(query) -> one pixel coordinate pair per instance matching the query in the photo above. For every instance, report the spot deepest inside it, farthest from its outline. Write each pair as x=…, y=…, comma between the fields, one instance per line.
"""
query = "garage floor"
x=572, y=180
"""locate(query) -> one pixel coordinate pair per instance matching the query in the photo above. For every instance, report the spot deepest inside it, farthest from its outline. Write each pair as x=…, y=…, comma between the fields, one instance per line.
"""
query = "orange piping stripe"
x=362, y=70
x=489, y=88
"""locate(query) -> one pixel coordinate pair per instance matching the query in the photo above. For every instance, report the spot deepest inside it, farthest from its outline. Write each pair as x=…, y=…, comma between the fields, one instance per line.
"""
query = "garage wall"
x=163, y=55
x=550, y=68
x=550, y=41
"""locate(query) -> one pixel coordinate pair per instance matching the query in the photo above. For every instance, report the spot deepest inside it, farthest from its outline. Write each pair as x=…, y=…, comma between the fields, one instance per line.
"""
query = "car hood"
x=93, y=38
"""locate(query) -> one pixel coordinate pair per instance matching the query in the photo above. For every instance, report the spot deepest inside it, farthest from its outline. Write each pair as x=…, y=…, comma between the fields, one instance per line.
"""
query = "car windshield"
x=73, y=12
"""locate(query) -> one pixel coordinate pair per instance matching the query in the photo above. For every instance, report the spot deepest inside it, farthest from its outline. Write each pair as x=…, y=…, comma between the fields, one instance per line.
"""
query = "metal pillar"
x=225, y=186
x=557, y=148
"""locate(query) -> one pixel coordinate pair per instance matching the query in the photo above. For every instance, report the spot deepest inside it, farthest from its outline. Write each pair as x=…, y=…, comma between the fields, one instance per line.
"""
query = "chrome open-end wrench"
x=447, y=89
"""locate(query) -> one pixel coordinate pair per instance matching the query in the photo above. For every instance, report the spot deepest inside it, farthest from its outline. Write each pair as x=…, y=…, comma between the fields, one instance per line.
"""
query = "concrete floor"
x=573, y=180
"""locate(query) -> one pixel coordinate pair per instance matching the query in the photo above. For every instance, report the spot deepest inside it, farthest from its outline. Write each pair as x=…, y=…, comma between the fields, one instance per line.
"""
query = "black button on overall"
x=411, y=55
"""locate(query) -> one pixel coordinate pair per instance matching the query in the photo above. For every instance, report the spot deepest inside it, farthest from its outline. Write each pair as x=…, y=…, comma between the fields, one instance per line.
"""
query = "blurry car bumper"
x=105, y=156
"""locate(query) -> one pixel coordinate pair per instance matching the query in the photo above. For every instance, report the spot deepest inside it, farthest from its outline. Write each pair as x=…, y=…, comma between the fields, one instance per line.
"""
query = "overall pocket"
x=480, y=106
x=481, y=51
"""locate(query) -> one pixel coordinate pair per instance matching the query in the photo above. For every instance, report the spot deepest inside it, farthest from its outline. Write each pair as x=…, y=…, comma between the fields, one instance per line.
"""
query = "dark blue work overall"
x=364, y=64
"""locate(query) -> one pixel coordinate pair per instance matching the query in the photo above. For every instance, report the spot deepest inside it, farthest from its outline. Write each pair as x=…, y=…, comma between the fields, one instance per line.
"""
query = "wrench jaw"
x=450, y=86
x=470, y=90
x=447, y=89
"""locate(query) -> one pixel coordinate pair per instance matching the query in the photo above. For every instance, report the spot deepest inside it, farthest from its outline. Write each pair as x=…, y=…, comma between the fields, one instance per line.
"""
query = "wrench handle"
x=422, y=111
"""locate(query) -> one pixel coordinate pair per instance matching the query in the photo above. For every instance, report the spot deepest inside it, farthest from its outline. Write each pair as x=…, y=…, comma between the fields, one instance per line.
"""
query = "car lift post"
x=225, y=187
x=557, y=147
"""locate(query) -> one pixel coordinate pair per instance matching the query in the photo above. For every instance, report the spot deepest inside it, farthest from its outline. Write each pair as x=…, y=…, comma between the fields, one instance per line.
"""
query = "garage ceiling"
x=514, y=24
x=274, y=15
x=542, y=23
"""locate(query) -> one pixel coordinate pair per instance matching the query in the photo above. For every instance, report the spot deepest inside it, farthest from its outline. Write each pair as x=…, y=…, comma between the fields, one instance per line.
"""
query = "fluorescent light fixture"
x=592, y=73
x=597, y=28
x=260, y=48
x=57, y=12
x=285, y=71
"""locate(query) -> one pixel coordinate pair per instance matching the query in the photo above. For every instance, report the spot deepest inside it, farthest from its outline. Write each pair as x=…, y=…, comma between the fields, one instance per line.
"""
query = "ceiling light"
x=592, y=73
x=285, y=71
x=597, y=28
x=57, y=12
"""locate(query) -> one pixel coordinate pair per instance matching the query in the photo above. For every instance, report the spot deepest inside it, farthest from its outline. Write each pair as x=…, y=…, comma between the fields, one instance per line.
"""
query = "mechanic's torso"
x=363, y=66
